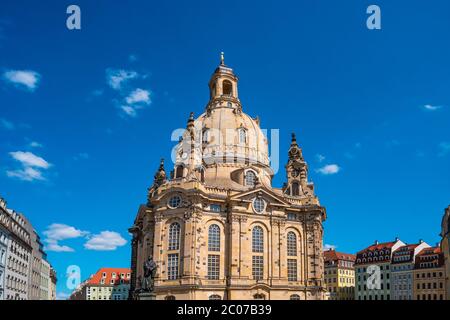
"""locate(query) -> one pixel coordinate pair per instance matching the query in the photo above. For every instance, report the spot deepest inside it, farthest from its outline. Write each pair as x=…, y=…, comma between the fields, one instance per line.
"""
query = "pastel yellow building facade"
x=445, y=247
x=216, y=227
x=339, y=275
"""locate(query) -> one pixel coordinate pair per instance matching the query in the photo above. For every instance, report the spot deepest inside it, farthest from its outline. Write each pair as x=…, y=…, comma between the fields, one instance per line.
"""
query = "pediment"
x=271, y=197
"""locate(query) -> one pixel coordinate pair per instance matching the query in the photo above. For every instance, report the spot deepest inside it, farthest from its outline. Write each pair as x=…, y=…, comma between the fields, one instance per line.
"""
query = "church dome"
x=224, y=135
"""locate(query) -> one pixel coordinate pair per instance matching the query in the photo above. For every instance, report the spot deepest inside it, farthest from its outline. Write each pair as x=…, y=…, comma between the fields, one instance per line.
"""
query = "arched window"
x=294, y=297
x=179, y=172
x=174, y=236
x=215, y=297
x=214, y=238
x=227, y=87
x=257, y=239
x=169, y=298
x=295, y=189
x=205, y=136
x=291, y=244
x=250, y=178
x=242, y=135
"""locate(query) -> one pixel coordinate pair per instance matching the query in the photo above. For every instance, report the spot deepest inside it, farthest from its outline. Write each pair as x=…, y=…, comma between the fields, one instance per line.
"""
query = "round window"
x=259, y=205
x=174, y=202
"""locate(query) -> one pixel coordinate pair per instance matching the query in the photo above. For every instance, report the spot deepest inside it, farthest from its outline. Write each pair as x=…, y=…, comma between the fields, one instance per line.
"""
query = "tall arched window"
x=213, y=247
x=258, y=250
x=250, y=178
x=227, y=88
x=291, y=244
x=242, y=135
x=174, y=236
x=214, y=238
x=173, y=260
x=295, y=189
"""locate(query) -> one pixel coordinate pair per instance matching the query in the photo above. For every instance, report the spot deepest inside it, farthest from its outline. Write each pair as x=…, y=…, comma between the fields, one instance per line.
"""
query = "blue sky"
x=374, y=103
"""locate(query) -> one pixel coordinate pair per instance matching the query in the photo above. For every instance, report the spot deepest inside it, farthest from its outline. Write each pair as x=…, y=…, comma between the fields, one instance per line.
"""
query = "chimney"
x=396, y=239
x=421, y=241
x=376, y=242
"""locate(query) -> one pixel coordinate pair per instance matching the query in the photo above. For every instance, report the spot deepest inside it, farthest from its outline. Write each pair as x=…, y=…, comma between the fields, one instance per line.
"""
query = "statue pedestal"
x=146, y=296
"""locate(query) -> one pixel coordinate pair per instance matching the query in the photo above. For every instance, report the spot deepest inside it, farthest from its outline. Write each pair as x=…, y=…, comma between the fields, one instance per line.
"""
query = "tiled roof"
x=333, y=255
x=106, y=274
x=378, y=246
x=430, y=258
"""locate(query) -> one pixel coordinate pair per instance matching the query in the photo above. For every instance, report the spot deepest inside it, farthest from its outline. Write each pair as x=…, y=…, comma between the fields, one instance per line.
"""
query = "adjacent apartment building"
x=21, y=258
x=374, y=260
x=402, y=270
x=339, y=275
x=105, y=284
x=429, y=275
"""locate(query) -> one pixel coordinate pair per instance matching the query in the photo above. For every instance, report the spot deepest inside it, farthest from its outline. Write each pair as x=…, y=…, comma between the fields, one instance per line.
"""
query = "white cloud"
x=445, y=148
x=5, y=124
x=35, y=144
x=320, y=157
x=105, y=241
x=55, y=247
x=29, y=159
x=23, y=78
x=26, y=174
x=58, y=232
x=431, y=108
x=138, y=96
x=117, y=78
x=329, y=169
x=81, y=156
x=128, y=110
x=328, y=247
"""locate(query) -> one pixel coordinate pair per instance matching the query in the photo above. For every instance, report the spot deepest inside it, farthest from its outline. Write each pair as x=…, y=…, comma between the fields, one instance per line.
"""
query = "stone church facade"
x=216, y=227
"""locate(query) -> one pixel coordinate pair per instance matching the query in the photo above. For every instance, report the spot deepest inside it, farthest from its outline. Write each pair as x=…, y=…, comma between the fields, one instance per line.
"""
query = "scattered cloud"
x=116, y=78
x=5, y=124
x=29, y=159
x=60, y=231
x=35, y=144
x=26, y=174
x=320, y=157
x=23, y=78
x=328, y=247
x=444, y=148
x=31, y=166
x=329, y=169
x=105, y=241
x=138, y=96
x=130, y=111
x=57, y=232
x=430, y=107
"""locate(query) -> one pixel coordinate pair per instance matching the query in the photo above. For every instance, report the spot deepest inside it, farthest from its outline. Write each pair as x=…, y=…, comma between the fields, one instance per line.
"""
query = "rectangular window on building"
x=292, y=269
x=172, y=266
x=213, y=266
x=215, y=207
x=257, y=267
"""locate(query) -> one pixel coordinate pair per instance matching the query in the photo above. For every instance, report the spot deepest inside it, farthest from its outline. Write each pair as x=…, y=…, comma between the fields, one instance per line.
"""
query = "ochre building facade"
x=216, y=227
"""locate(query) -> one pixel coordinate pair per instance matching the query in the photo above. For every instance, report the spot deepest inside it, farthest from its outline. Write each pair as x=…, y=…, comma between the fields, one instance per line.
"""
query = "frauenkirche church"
x=216, y=227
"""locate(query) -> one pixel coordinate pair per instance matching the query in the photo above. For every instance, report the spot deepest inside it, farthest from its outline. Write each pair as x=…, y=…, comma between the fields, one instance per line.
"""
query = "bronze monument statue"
x=149, y=275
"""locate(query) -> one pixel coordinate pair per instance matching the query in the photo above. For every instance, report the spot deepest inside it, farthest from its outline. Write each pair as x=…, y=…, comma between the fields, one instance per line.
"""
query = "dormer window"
x=250, y=178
